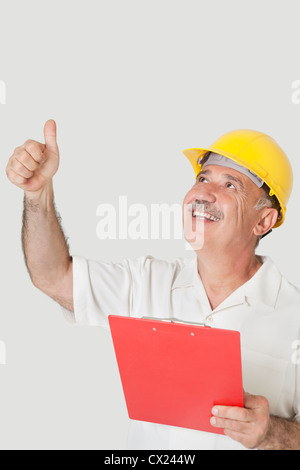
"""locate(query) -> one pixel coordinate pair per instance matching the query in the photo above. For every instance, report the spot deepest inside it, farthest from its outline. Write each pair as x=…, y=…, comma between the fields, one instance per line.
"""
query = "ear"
x=268, y=219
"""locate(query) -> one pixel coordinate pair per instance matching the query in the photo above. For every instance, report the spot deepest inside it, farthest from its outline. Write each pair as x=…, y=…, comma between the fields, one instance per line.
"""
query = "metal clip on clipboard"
x=177, y=320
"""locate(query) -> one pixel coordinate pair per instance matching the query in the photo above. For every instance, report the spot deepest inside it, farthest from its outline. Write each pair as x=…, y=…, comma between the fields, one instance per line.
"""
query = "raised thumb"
x=50, y=134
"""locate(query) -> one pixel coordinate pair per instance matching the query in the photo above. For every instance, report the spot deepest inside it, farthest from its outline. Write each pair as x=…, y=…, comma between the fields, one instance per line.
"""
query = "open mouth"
x=204, y=215
x=200, y=211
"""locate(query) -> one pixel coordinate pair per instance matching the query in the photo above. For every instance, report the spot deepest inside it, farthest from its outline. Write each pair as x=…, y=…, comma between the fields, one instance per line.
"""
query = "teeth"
x=205, y=215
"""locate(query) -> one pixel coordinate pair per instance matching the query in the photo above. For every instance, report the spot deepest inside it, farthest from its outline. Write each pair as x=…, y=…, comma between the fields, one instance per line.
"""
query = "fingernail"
x=213, y=421
x=215, y=411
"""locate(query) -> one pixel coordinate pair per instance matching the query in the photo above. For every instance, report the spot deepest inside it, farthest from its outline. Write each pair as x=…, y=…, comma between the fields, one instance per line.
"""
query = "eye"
x=201, y=179
x=230, y=185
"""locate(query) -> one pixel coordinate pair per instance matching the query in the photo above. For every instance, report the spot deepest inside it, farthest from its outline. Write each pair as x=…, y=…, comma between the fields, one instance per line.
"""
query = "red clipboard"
x=174, y=373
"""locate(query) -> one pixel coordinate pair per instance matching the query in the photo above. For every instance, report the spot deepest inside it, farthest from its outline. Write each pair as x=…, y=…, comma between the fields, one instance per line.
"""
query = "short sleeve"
x=101, y=289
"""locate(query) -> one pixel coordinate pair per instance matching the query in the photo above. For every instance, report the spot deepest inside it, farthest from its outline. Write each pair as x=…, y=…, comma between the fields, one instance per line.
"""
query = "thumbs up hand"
x=34, y=164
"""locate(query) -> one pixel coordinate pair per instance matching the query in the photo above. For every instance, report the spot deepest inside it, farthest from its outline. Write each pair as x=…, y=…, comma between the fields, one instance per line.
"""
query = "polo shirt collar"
x=263, y=286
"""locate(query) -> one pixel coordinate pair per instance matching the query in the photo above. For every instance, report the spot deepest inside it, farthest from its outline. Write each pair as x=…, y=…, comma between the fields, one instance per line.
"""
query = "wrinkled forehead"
x=238, y=179
x=228, y=174
x=212, y=158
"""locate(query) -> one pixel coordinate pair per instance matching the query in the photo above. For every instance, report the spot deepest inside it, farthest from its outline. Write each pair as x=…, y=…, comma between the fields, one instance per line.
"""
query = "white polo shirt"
x=265, y=310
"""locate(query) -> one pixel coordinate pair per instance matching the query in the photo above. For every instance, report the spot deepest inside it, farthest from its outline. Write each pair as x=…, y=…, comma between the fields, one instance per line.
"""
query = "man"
x=242, y=186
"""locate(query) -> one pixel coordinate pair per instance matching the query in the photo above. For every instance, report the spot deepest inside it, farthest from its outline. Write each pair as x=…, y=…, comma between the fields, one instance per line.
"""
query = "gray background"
x=130, y=84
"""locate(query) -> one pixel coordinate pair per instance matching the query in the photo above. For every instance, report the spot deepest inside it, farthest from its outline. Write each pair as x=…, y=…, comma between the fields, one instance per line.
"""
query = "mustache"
x=205, y=206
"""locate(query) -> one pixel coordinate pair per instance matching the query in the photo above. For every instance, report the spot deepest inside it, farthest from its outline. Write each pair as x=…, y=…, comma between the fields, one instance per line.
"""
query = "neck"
x=221, y=276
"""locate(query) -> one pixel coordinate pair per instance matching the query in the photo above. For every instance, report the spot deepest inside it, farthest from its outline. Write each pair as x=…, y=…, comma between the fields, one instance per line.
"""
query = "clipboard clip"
x=177, y=320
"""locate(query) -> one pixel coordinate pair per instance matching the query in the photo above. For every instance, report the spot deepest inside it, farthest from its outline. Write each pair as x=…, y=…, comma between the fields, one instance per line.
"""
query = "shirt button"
x=209, y=320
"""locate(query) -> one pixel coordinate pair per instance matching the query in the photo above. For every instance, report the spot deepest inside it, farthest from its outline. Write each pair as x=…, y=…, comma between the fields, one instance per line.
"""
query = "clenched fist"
x=33, y=164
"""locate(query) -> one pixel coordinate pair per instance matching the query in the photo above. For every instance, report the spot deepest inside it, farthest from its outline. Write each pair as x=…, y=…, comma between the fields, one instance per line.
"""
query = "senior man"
x=243, y=183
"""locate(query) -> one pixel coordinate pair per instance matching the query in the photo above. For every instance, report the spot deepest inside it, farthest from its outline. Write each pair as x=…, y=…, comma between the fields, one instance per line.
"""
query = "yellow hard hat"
x=257, y=152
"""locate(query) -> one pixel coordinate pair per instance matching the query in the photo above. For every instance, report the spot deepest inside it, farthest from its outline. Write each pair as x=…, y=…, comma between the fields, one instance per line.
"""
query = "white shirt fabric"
x=265, y=310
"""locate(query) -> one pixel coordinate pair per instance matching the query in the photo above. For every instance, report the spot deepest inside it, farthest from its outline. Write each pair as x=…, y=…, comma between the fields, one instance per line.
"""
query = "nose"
x=205, y=191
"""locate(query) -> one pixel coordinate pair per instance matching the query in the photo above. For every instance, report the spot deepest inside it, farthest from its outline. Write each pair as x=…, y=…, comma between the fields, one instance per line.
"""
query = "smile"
x=204, y=215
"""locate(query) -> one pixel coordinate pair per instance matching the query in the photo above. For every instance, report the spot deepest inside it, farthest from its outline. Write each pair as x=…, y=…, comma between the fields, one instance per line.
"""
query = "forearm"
x=282, y=435
x=45, y=248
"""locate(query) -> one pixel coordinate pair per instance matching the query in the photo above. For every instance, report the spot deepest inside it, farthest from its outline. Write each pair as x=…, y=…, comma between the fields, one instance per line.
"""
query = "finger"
x=15, y=178
x=20, y=169
x=50, y=135
x=230, y=425
x=35, y=150
x=232, y=412
x=22, y=156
